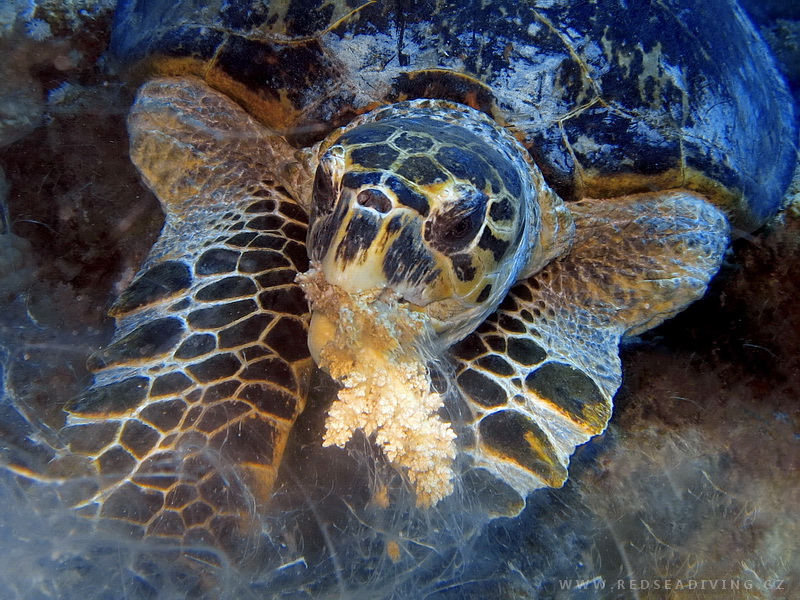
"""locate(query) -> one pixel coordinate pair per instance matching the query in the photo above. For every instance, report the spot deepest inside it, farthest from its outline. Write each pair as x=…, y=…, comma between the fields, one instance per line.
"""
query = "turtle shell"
x=610, y=97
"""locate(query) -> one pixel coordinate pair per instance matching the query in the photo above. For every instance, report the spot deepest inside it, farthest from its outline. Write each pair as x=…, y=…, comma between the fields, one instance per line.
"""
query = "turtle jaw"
x=374, y=348
x=355, y=318
x=375, y=262
x=321, y=331
x=381, y=258
x=369, y=250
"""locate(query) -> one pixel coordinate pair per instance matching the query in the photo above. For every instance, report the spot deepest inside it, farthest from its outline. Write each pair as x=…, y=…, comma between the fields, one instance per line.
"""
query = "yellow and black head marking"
x=429, y=199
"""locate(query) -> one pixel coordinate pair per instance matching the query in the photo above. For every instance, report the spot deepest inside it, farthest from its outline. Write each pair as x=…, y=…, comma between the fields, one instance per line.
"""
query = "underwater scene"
x=399, y=299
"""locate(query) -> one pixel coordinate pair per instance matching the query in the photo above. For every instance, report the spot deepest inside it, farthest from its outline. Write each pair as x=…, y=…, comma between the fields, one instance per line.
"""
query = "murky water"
x=692, y=492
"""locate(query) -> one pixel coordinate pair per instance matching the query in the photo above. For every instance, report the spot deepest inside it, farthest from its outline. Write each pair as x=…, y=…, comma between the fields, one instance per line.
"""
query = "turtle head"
x=423, y=215
x=430, y=201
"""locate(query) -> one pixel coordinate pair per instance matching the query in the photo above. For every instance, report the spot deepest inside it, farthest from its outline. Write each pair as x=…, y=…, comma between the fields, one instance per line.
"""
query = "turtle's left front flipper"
x=540, y=374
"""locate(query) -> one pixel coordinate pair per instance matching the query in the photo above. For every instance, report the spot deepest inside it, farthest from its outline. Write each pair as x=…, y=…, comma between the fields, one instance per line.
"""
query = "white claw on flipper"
x=372, y=346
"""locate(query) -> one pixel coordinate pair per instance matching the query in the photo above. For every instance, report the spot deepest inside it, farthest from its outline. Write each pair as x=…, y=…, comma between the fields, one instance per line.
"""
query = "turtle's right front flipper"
x=540, y=375
x=186, y=422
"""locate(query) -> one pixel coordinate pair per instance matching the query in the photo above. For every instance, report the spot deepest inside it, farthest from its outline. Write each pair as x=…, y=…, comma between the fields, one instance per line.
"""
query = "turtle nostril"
x=375, y=200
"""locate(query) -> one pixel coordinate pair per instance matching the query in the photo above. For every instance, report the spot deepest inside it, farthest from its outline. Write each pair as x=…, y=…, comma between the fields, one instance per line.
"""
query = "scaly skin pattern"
x=540, y=374
x=181, y=434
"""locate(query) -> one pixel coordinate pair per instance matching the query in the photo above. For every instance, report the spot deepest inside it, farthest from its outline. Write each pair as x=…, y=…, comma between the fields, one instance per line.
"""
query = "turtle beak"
x=367, y=245
x=372, y=253
x=353, y=258
x=321, y=330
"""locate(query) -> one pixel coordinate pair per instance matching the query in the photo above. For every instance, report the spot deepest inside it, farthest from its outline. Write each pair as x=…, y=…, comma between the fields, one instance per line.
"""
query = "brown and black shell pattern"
x=610, y=97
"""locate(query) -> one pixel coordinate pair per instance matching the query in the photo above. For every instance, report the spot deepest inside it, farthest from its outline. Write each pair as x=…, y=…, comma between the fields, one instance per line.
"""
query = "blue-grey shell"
x=610, y=97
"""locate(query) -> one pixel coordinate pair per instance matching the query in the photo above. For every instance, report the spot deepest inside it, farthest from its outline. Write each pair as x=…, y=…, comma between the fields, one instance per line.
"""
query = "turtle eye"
x=452, y=229
x=324, y=194
x=374, y=199
x=459, y=230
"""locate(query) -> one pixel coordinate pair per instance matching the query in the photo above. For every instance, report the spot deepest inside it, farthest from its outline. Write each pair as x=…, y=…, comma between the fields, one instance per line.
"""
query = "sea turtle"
x=477, y=200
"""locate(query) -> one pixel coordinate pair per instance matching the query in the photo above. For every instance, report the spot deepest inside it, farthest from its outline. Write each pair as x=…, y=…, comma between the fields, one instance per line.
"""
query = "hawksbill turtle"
x=458, y=211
